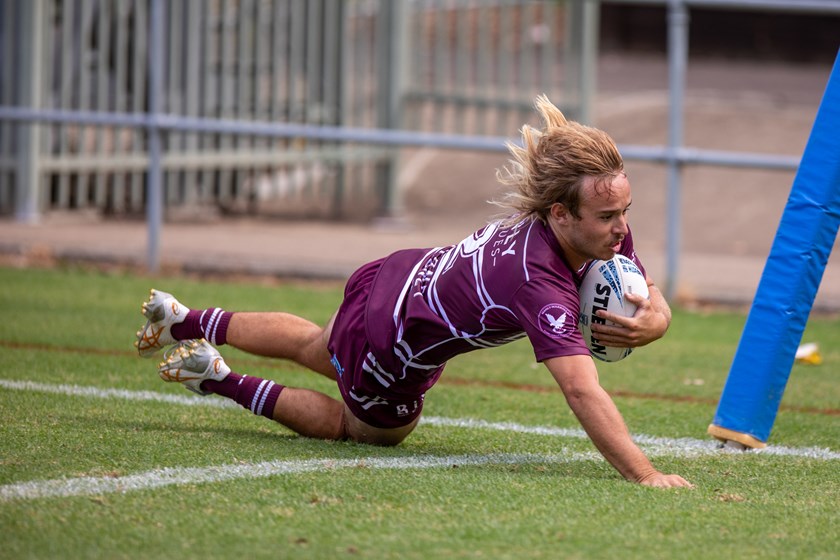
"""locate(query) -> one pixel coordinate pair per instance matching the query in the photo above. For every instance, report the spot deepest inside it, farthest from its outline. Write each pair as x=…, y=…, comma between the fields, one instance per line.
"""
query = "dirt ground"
x=766, y=108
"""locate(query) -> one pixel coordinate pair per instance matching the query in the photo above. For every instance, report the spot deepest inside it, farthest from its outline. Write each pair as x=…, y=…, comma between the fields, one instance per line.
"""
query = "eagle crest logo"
x=554, y=320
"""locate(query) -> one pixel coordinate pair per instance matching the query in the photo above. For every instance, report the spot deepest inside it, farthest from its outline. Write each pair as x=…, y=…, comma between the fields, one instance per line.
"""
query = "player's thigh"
x=316, y=355
x=361, y=432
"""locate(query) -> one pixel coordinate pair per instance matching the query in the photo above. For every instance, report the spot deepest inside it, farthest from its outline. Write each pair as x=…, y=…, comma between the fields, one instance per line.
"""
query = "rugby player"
x=405, y=315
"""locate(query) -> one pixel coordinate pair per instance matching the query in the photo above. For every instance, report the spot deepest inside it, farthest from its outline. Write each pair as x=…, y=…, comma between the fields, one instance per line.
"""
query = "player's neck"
x=575, y=259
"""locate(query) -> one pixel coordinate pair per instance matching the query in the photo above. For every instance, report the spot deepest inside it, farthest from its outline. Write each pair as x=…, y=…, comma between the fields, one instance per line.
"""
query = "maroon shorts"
x=359, y=379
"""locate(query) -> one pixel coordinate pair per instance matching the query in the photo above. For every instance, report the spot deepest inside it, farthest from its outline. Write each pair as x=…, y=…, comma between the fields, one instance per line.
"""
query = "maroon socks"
x=211, y=324
x=257, y=395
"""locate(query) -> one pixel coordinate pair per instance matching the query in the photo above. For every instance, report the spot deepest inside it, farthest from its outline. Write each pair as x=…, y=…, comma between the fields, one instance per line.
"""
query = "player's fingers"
x=667, y=481
x=638, y=299
x=676, y=481
x=623, y=338
x=618, y=319
x=618, y=336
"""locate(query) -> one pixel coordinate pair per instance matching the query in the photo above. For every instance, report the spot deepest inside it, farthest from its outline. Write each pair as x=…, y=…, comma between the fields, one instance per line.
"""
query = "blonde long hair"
x=552, y=164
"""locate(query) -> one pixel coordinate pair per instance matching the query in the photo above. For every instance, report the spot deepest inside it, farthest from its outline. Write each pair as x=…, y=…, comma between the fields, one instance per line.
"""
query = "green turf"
x=75, y=327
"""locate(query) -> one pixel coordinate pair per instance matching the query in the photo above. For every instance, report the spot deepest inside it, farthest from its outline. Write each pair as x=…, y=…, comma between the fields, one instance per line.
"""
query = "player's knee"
x=361, y=432
x=382, y=440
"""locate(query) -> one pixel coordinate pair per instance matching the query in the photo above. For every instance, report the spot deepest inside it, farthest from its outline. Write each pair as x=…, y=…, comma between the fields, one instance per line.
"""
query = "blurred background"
x=389, y=118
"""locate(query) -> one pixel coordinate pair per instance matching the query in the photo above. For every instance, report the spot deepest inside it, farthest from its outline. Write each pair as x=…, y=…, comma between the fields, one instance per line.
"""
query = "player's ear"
x=559, y=212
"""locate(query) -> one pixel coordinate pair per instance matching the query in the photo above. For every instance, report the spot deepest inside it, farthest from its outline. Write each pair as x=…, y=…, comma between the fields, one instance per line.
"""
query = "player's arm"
x=649, y=323
x=597, y=413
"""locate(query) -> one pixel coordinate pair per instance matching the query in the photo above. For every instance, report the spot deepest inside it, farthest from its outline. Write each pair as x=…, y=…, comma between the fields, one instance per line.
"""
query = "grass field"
x=100, y=459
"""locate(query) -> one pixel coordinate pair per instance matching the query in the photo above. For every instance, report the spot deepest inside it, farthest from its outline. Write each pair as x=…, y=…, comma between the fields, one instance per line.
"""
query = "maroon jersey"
x=497, y=285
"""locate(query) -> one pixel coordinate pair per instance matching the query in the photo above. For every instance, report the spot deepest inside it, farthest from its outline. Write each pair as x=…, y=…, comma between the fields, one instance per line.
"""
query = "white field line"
x=99, y=393
x=654, y=446
x=157, y=478
x=660, y=445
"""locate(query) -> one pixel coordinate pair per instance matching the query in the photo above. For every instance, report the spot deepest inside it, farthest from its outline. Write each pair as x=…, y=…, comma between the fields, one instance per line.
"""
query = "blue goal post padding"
x=788, y=285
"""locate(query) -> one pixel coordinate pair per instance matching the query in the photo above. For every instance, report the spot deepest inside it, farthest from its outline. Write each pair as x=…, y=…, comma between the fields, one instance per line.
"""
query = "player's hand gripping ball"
x=603, y=287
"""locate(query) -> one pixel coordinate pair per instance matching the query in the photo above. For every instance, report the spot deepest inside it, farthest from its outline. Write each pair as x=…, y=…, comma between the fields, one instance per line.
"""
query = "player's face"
x=602, y=223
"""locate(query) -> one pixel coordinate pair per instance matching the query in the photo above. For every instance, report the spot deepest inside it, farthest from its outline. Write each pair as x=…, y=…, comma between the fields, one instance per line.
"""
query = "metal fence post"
x=581, y=58
x=590, y=14
x=154, y=196
x=28, y=191
x=677, y=64
x=393, y=32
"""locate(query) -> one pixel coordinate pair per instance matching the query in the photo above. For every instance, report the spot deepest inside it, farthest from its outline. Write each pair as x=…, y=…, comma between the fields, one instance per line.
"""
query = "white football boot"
x=191, y=362
x=161, y=311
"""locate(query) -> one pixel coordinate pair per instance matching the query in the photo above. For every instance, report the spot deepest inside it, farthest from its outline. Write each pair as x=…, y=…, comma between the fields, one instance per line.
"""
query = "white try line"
x=157, y=478
x=663, y=445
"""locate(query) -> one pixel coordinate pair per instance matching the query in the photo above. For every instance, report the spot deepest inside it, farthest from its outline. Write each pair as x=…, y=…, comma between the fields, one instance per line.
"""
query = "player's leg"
x=316, y=415
x=282, y=335
x=200, y=368
x=271, y=334
x=307, y=412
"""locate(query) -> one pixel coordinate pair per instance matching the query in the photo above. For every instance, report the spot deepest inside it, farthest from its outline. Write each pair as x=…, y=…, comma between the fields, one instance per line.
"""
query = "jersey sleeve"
x=548, y=313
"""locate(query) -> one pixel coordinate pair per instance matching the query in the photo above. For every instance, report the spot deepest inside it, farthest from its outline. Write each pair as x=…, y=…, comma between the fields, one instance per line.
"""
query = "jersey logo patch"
x=555, y=320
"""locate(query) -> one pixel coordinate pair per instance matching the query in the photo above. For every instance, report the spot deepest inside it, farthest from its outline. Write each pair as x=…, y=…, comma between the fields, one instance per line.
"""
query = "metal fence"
x=252, y=60
x=454, y=66
x=294, y=106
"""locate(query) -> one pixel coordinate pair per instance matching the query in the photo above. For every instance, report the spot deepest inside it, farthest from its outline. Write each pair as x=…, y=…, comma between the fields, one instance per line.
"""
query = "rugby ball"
x=603, y=287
